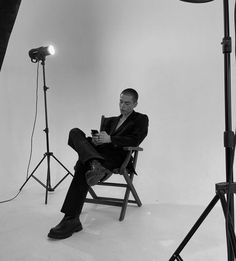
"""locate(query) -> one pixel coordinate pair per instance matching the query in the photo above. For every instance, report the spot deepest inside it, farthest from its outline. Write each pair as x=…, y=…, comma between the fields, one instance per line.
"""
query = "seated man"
x=98, y=156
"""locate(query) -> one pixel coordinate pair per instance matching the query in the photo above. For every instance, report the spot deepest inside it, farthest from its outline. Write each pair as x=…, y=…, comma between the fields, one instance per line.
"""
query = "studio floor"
x=149, y=233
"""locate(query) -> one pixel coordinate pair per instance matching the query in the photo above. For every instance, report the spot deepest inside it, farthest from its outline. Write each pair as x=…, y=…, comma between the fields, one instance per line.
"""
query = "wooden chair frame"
x=128, y=185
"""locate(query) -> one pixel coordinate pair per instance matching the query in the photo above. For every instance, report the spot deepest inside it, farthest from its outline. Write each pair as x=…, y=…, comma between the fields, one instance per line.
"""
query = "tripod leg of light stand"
x=68, y=173
x=48, y=181
x=176, y=255
x=231, y=238
x=32, y=175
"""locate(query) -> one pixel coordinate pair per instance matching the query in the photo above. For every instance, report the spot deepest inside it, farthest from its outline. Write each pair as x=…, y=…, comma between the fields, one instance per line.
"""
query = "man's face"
x=127, y=104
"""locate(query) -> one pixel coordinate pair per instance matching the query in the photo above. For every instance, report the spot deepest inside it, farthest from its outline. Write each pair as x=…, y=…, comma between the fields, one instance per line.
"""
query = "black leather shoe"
x=65, y=228
x=97, y=173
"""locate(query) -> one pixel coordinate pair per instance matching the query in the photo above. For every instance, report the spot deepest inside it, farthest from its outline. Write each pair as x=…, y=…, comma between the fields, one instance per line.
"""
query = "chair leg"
x=113, y=201
x=92, y=193
x=129, y=181
x=125, y=204
x=130, y=188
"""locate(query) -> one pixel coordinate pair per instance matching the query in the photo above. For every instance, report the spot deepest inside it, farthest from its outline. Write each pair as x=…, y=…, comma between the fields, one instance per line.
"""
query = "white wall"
x=169, y=51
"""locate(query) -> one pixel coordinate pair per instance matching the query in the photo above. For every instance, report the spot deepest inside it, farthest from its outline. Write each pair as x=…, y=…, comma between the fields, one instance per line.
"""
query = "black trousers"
x=110, y=157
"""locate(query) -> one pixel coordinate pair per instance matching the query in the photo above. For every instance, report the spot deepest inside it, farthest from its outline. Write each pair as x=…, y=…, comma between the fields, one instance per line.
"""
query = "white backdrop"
x=169, y=51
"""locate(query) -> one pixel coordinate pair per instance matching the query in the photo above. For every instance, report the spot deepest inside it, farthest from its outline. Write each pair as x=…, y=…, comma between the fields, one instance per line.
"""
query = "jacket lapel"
x=114, y=124
x=114, y=130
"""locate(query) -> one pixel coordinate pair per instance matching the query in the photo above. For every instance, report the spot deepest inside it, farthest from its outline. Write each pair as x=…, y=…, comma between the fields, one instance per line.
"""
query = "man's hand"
x=101, y=138
x=95, y=139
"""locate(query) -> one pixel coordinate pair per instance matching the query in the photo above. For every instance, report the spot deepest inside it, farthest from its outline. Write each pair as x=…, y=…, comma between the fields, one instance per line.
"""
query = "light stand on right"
x=227, y=188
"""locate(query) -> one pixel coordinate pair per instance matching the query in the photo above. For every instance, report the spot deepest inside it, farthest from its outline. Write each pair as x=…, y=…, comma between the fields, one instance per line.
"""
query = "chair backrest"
x=102, y=121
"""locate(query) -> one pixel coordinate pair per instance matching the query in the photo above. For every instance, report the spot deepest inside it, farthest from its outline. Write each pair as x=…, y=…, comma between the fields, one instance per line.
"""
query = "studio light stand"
x=224, y=191
x=36, y=55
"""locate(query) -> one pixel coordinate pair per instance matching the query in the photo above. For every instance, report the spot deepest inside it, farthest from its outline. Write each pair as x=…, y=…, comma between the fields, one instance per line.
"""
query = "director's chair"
x=127, y=184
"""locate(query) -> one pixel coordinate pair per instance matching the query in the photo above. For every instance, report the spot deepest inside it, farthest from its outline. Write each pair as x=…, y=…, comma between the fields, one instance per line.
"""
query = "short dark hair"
x=131, y=92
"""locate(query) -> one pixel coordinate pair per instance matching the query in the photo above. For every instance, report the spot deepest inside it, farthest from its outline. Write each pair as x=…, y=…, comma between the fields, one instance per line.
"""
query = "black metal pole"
x=46, y=130
x=228, y=134
x=229, y=187
x=47, y=154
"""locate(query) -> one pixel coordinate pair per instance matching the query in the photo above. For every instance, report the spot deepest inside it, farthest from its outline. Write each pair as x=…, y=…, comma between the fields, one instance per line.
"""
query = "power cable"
x=32, y=134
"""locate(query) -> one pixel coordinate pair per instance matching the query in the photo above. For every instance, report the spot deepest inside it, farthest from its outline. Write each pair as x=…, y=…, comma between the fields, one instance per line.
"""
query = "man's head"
x=128, y=101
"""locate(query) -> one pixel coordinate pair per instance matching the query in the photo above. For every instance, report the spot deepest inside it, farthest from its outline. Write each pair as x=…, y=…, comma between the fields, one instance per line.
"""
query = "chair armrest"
x=133, y=148
x=130, y=151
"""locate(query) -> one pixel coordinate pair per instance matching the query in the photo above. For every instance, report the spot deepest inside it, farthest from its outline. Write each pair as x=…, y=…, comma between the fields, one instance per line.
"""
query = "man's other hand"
x=103, y=137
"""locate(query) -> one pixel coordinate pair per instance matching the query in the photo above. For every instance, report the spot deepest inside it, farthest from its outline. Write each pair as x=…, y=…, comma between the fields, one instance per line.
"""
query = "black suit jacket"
x=131, y=133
